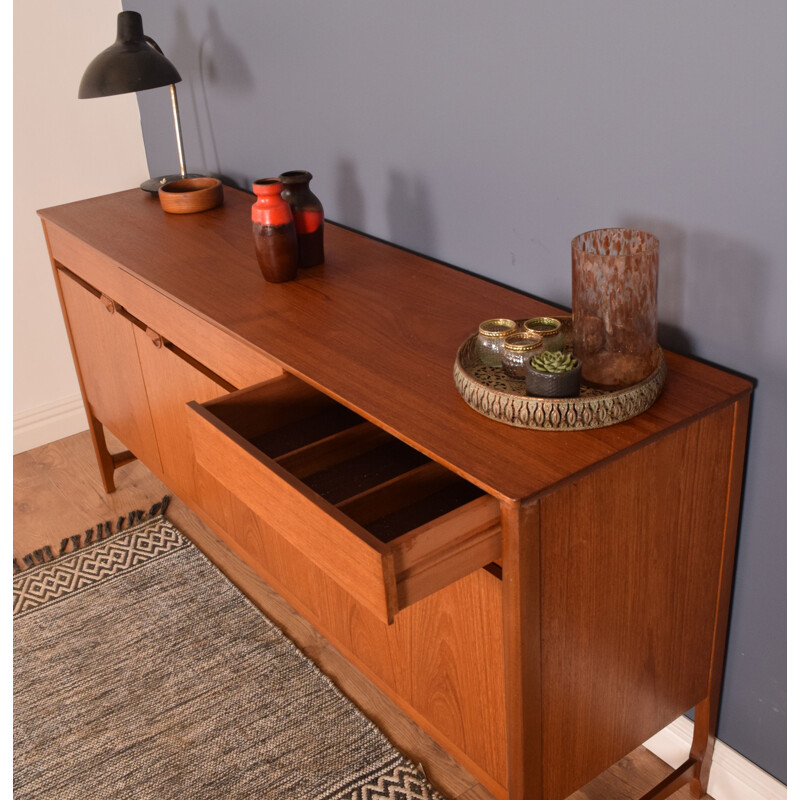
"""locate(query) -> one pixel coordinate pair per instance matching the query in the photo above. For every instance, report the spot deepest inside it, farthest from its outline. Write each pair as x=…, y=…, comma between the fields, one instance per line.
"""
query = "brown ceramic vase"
x=309, y=218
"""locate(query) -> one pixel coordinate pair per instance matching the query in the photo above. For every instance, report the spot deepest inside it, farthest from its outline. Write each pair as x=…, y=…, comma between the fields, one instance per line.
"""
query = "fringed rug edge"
x=94, y=535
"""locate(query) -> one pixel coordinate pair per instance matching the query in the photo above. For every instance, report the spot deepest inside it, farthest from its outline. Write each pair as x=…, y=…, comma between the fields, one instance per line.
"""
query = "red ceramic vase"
x=274, y=233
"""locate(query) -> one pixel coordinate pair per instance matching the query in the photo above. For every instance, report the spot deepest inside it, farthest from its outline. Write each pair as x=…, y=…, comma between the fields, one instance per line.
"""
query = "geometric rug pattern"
x=142, y=673
x=54, y=580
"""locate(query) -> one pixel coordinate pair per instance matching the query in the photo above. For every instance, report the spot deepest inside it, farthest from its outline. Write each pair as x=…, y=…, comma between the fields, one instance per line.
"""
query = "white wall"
x=65, y=149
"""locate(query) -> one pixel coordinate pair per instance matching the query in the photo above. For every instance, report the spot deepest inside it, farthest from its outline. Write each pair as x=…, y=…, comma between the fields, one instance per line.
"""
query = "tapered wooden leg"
x=522, y=650
x=107, y=462
x=703, y=745
x=707, y=711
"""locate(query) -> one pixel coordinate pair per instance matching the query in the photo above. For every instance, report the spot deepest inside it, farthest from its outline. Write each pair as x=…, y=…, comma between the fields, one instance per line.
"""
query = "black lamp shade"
x=131, y=64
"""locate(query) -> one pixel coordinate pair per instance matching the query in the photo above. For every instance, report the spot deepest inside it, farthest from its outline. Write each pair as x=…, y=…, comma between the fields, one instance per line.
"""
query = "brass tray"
x=492, y=393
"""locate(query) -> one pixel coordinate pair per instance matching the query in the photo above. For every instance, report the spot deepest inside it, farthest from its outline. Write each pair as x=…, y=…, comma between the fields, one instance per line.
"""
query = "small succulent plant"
x=554, y=361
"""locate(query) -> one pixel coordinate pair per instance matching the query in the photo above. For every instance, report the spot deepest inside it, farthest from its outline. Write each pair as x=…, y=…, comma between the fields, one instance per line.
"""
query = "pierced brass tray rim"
x=595, y=409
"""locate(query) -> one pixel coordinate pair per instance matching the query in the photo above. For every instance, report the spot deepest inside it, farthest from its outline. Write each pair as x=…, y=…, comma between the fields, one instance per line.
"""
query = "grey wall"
x=488, y=135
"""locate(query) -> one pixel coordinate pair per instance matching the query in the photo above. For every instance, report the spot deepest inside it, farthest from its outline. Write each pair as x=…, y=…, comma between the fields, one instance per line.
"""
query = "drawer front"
x=386, y=523
x=332, y=541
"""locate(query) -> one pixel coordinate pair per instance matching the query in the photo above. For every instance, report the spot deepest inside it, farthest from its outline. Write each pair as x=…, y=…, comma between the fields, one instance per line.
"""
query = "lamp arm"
x=175, y=115
x=152, y=43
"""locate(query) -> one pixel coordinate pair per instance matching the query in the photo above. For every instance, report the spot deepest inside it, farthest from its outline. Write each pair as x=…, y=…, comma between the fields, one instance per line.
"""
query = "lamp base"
x=152, y=184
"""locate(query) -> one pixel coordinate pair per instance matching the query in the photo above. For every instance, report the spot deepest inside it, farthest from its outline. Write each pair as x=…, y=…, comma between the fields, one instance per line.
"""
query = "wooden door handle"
x=156, y=338
x=110, y=305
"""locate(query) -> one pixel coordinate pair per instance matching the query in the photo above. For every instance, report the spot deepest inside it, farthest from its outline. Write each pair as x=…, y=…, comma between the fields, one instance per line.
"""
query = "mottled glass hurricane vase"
x=614, y=283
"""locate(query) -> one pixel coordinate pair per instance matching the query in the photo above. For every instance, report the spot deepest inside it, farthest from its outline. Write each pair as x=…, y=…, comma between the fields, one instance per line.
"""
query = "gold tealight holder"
x=490, y=340
x=549, y=328
x=517, y=348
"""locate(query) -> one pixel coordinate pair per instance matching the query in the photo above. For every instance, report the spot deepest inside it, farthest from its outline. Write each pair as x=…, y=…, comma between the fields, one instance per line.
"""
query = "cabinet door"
x=108, y=363
x=172, y=381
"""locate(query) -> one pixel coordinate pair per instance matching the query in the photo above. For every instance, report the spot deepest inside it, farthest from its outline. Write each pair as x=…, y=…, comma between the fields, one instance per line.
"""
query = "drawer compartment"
x=385, y=522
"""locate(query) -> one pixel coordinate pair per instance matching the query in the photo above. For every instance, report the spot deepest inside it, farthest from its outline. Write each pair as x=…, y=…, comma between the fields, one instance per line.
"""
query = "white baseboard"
x=49, y=422
x=732, y=776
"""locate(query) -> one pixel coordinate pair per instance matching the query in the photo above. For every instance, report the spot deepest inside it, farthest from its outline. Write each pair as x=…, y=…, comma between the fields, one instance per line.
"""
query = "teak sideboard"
x=540, y=602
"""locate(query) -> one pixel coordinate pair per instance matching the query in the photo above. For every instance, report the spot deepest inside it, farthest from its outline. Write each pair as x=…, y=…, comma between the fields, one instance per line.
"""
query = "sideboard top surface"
x=377, y=328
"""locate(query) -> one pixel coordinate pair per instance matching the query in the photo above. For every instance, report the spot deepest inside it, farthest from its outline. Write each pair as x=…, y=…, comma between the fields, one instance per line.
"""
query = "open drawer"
x=389, y=525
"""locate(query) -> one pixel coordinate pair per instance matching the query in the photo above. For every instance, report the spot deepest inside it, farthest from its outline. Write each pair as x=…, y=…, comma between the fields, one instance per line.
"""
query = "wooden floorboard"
x=58, y=493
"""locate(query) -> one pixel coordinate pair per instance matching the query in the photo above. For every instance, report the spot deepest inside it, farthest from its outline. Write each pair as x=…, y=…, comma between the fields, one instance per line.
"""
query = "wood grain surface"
x=441, y=660
x=706, y=713
x=58, y=493
x=106, y=347
x=329, y=538
x=386, y=328
x=628, y=598
x=385, y=573
x=522, y=643
x=171, y=383
x=236, y=361
x=604, y=623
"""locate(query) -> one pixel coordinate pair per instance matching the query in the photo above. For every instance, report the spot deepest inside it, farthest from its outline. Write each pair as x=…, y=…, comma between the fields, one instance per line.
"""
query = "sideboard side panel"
x=707, y=711
x=630, y=558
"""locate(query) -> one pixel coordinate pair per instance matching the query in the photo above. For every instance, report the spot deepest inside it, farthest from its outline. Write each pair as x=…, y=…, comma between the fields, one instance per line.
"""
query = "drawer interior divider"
x=327, y=452
x=348, y=485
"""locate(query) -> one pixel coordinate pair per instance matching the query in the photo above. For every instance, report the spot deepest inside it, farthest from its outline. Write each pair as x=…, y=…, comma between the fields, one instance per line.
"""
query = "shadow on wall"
x=673, y=330
x=349, y=196
x=408, y=207
x=712, y=286
x=219, y=64
x=409, y=214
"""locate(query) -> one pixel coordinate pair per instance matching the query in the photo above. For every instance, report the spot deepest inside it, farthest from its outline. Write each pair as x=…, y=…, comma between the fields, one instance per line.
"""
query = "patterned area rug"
x=141, y=672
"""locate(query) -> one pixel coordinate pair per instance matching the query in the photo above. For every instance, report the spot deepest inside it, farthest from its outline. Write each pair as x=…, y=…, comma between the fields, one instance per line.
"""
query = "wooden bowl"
x=190, y=195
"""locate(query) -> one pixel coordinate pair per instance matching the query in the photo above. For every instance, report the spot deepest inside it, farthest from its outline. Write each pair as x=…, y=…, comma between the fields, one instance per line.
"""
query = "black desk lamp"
x=132, y=64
